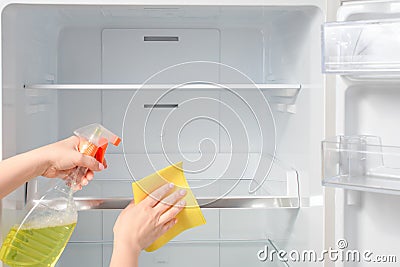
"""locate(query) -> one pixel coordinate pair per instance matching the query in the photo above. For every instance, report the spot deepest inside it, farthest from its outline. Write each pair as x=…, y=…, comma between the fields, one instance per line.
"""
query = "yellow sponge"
x=191, y=216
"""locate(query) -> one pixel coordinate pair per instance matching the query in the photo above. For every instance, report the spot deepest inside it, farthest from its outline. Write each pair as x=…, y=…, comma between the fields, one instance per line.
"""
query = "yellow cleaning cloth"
x=191, y=216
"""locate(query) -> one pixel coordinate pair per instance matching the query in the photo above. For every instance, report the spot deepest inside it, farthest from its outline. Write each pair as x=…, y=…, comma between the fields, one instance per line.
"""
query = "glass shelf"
x=361, y=163
x=213, y=190
x=367, y=48
x=277, y=90
x=281, y=96
x=90, y=203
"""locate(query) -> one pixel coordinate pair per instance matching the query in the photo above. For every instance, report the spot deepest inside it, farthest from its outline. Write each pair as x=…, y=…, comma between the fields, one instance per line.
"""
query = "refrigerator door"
x=362, y=161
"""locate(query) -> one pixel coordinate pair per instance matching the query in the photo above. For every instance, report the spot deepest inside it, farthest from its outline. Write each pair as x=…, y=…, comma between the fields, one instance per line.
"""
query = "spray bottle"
x=44, y=232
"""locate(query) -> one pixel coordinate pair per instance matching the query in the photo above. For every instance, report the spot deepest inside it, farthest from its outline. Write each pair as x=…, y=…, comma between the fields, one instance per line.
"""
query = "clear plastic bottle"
x=43, y=234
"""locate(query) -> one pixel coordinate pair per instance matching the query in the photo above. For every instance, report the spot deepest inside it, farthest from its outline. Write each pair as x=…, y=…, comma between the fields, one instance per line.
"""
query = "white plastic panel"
x=89, y=227
x=251, y=64
x=209, y=231
x=245, y=254
x=249, y=125
x=288, y=230
x=182, y=255
x=371, y=224
x=77, y=110
x=79, y=55
x=81, y=255
x=133, y=55
x=373, y=110
x=151, y=129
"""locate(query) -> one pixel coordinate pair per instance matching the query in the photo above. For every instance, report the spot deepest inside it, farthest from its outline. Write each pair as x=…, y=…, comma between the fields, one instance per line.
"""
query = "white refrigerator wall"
x=65, y=44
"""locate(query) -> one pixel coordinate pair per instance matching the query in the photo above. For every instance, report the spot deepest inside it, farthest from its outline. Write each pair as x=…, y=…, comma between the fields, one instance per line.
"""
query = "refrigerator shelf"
x=258, y=187
x=276, y=90
x=272, y=202
x=361, y=163
x=361, y=48
x=204, y=202
x=236, y=199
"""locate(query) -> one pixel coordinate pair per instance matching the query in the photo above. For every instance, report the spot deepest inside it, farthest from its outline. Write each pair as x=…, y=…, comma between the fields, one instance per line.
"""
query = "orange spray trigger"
x=95, y=139
x=101, y=151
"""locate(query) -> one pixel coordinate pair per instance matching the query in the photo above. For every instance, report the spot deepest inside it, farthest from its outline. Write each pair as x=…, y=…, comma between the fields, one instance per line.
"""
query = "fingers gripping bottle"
x=44, y=232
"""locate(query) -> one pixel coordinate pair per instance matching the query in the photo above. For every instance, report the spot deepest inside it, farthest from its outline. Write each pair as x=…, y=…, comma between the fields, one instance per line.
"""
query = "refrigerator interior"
x=367, y=98
x=65, y=66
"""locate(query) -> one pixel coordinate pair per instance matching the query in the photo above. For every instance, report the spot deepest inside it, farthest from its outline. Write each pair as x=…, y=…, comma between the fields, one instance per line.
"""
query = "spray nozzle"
x=95, y=140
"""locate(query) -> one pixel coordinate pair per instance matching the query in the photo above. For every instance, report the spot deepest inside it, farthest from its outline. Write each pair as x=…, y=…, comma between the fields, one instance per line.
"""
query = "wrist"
x=125, y=255
x=42, y=156
x=128, y=247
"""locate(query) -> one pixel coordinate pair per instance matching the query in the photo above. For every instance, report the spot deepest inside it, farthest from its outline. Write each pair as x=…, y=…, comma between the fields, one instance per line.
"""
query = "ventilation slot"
x=160, y=105
x=161, y=38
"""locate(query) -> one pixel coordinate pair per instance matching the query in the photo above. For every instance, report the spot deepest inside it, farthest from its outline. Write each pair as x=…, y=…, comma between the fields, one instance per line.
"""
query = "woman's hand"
x=63, y=157
x=138, y=226
x=54, y=160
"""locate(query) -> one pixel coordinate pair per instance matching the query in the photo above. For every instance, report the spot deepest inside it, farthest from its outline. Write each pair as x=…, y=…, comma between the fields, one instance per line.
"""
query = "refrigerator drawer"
x=360, y=48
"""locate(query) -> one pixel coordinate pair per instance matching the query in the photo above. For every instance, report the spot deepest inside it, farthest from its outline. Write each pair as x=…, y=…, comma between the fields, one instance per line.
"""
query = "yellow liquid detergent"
x=35, y=246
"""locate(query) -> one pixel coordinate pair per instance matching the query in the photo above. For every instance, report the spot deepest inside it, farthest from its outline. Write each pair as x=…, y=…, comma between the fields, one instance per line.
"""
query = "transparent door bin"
x=361, y=163
x=360, y=48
